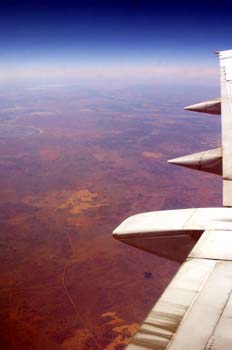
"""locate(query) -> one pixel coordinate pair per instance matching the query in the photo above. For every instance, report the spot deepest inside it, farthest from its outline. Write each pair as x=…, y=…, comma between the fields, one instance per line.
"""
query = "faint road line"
x=72, y=301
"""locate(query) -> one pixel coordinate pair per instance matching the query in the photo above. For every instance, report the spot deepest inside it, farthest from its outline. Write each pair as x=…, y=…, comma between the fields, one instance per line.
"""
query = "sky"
x=132, y=39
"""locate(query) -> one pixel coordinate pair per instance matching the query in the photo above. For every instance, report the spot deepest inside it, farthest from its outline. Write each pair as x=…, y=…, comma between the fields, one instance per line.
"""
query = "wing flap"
x=221, y=338
x=195, y=304
x=163, y=321
x=206, y=311
x=214, y=245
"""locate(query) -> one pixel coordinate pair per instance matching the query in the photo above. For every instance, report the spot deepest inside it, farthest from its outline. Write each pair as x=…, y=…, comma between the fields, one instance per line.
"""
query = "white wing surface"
x=226, y=107
x=195, y=311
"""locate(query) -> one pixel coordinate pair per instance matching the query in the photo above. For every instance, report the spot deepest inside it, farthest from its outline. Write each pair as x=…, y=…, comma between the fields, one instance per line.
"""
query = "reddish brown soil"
x=95, y=159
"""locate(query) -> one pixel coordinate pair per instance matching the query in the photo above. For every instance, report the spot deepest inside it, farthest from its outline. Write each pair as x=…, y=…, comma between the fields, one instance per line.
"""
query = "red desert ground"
x=75, y=162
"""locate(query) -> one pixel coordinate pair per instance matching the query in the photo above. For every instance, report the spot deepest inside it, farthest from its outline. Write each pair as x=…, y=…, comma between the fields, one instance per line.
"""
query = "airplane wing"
x=195, y=311
x=226, y=105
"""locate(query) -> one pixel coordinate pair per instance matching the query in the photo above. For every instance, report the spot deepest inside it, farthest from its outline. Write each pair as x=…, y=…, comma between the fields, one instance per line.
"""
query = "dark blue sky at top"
x=110, y=31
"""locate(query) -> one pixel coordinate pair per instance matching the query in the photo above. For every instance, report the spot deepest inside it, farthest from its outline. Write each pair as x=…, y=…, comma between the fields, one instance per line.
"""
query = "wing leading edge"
x=195, y=310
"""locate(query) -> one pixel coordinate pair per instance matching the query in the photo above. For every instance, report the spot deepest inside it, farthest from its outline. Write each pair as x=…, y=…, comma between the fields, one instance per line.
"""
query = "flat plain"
x=74, y=162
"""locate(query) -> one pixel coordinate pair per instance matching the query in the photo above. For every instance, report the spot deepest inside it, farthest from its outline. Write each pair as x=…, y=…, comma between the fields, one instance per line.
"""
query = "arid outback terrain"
x=74, y=162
